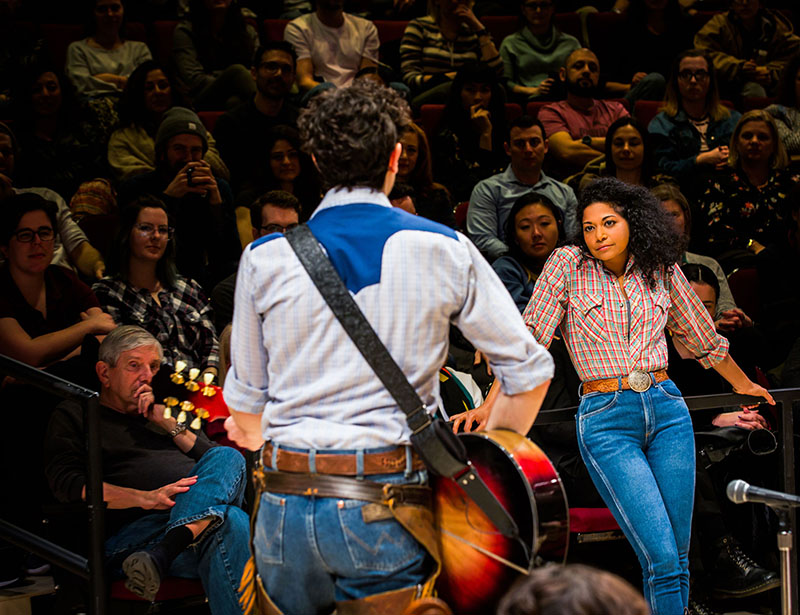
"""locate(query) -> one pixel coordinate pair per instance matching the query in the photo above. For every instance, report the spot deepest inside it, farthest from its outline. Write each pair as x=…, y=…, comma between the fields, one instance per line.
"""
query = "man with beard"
x=200, y=205
x=241, y=132
x=577, y=126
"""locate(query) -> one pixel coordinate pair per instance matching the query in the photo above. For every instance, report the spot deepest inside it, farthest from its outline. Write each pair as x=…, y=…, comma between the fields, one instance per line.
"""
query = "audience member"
x=211, y=51
x=99, y=64
x=786, y=112
x=691, y=133
x=280, y=165
x=628, y=157
x=469, y=143
x=743, y=206
x=241, y=132
x=718, y=562
x=145, y=288
x=167, y=488
x=276, y=211
x=71, y=248
x=493, y=198
x=57, y=153
x=749, y=45
x=331, y=45
x=575, y=589
x=415, y=168
x=533, y=56
x=148, y=95
x=435, y=46
x=200, y=205
x=534, y=227
x=45, y=310
x=727, y=316
x=654, y=32
x=576, y=127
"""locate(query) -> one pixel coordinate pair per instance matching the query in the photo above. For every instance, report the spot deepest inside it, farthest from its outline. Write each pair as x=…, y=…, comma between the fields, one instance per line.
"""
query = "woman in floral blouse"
x=146, y=290
x=743, y=207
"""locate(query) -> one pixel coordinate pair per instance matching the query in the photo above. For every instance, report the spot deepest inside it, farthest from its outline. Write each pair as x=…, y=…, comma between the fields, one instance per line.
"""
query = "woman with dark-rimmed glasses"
x=45, y=310
x=145, y=288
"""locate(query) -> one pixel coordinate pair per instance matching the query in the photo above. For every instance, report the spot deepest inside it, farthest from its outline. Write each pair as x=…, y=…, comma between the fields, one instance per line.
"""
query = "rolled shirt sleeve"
x=690, y=321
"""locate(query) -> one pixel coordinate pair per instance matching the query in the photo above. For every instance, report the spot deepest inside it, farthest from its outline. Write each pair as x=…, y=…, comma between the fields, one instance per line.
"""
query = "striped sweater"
x=425, y=51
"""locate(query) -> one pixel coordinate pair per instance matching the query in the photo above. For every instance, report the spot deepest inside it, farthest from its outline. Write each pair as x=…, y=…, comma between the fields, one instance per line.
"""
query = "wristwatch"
x=587, y=140
x=177, y=430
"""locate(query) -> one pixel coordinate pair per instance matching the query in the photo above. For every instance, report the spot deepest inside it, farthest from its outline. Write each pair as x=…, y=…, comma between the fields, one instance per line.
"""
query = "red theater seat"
x=273, y=28
x=162, y=39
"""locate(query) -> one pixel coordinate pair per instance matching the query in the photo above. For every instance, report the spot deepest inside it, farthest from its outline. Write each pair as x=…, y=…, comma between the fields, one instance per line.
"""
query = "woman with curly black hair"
x=612, y=294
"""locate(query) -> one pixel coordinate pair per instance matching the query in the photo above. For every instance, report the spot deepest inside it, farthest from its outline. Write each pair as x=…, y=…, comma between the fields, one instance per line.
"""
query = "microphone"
x=740, y=492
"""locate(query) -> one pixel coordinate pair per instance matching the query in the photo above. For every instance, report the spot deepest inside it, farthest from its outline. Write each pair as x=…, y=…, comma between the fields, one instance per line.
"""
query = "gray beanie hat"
x=180, y=121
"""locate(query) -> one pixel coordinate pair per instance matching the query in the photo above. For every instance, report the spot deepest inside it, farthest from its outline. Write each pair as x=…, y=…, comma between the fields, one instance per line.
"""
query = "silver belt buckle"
x=639, y=381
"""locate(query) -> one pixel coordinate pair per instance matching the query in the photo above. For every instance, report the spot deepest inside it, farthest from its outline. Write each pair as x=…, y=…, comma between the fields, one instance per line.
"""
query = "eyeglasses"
x=26, y=235
x=277, y=228
x=699, y=75
x=275, y=67
x=541, y=6
x=148, y=230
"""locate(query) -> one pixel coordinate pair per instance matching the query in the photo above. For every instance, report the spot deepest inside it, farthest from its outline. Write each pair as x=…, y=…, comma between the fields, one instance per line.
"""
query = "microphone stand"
x=785, y=548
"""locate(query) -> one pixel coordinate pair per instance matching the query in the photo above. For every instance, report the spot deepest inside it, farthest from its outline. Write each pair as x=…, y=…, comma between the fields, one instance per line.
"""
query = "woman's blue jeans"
x=639, y=450
x=219, y=556
x=312, y=552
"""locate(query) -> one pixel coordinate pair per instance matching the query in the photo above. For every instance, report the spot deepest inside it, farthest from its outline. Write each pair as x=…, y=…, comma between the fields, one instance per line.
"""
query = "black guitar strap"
x=440, y=449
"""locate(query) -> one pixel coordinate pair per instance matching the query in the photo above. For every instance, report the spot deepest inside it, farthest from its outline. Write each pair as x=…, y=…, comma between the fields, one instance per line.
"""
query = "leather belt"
x=388, y=462
x=609, y=385
x=328, y=486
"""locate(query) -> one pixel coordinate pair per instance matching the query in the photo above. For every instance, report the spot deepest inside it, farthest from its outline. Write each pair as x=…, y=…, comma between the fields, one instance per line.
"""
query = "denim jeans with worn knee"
x=639, y=451
x=219, y=554
x=312, y=552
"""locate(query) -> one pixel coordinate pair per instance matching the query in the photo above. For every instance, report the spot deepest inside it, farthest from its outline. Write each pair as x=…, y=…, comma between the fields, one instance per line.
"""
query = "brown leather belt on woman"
x=638, y=381
x=388, y=462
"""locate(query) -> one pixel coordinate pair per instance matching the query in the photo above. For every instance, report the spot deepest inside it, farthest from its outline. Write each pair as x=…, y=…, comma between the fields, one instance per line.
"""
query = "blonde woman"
x=743, y=206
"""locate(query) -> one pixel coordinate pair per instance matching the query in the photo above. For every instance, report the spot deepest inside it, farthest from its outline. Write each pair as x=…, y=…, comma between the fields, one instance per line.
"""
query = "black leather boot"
x=699, y=606
x=736, y=575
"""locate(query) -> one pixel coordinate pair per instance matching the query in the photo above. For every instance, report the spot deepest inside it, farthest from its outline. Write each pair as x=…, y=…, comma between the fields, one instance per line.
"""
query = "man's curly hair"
x=654, y=242
x=352, y=131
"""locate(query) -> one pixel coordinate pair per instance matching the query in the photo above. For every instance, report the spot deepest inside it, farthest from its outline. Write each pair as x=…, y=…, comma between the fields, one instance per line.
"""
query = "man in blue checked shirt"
x=300, y=390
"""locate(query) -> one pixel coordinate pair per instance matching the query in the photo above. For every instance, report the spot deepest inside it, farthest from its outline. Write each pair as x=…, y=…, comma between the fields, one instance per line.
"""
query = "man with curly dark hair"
x=613, y=293
x=298, y=382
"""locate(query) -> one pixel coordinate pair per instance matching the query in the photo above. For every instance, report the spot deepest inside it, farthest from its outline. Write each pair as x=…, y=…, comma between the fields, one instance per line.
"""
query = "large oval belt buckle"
x=639, y=381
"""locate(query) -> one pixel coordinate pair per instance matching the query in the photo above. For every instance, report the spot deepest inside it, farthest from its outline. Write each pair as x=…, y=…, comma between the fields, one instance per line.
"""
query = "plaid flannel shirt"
x=609, y=336
x=183, y=323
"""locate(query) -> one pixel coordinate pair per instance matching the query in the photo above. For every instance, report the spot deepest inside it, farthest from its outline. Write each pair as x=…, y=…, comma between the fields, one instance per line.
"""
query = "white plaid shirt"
x=295, y=365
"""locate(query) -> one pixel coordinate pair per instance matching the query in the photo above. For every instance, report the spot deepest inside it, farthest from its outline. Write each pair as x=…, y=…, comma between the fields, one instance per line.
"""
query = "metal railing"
x=787, y=401
x=91, y=568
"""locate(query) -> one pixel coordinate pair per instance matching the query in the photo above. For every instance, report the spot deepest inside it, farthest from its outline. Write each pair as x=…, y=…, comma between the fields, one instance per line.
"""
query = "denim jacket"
x=676, y=142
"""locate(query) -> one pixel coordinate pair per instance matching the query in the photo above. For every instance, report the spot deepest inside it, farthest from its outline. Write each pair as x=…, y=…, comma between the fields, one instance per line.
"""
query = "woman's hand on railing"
x=754, y=390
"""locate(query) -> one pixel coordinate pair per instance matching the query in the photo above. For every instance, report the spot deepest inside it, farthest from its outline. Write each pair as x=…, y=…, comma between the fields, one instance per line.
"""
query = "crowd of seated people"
x=527, y=115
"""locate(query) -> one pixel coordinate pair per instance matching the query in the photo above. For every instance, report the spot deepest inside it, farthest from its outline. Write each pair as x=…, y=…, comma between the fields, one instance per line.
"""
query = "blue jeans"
x=312, y=552
x=639, y=451
x=219, y=554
